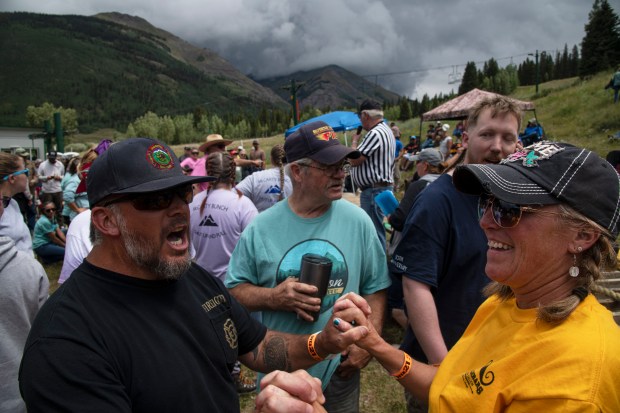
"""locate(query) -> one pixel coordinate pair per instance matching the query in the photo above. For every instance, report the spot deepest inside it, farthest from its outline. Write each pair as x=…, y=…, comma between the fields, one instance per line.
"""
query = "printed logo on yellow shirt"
x=477, y=381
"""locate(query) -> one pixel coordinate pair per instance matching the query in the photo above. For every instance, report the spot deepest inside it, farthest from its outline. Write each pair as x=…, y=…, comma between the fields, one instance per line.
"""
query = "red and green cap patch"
x=159, y=156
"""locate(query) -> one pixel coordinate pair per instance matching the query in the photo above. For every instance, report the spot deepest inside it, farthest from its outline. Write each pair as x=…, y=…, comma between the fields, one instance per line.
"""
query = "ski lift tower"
x=455, y=76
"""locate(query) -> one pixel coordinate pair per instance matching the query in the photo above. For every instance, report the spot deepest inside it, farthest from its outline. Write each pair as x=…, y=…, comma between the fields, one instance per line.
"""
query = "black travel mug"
x=316, y=270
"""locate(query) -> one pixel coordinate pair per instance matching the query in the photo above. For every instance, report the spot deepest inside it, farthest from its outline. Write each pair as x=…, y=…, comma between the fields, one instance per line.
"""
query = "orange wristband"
x=311, y=350
x=405, y=369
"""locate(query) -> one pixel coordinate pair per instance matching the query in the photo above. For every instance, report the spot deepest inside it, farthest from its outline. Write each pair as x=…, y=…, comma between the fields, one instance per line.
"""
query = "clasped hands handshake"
x=298, y=392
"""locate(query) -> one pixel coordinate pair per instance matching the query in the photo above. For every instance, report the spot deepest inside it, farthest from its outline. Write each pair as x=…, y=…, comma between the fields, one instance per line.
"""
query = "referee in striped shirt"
x=373, y=170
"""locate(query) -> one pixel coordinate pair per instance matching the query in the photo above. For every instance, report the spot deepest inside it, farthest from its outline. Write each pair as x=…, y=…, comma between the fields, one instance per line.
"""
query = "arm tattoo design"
x=275, y=354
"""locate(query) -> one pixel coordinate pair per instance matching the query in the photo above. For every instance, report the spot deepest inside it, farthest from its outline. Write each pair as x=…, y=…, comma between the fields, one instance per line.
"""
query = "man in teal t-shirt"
x=265, y=265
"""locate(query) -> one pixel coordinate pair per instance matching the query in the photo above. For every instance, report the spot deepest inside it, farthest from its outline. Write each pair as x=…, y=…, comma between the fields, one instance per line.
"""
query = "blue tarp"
x=339, y=121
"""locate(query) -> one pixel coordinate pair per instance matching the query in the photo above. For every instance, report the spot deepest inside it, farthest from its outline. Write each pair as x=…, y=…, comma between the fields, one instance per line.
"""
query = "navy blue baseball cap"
x=317, y=141
x=134, y=166
x=369, y=104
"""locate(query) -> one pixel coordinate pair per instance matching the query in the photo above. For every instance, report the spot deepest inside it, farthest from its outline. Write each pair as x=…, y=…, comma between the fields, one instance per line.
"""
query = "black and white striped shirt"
x=378, y=147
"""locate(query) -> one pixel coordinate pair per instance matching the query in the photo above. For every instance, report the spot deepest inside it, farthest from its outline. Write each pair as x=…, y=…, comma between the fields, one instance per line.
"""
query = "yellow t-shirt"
x=506, y=361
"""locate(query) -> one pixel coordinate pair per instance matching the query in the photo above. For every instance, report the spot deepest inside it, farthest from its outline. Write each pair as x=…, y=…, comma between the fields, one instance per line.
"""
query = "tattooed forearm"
x=275, y=353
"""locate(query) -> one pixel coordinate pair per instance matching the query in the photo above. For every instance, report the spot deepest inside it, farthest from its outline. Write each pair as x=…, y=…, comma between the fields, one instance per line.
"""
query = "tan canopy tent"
x=458, y=108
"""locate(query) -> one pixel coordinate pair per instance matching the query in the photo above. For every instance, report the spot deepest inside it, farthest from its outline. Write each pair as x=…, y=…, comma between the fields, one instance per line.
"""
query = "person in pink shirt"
x=213, y=143
x=191, y=160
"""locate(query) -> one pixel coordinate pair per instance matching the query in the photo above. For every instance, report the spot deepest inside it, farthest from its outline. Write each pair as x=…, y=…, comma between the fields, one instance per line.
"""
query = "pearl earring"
x=574, y=270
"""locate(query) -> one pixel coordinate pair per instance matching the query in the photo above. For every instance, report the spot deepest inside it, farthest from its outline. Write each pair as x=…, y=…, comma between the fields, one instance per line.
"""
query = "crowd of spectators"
x=249, y=229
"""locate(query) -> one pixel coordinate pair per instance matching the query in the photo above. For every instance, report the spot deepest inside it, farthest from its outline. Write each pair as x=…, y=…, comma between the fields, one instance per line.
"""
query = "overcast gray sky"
x=277, y=37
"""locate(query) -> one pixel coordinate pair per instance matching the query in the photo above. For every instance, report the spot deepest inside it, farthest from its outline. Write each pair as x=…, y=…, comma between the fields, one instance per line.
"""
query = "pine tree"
x=491, y=68
x=470, y=78
x=415, y=108
x=405, y=109
x=546, y=67
x=574, y=62
x=564, y=63
x=600, y=48
x=557, y=71
x=527, y=72
x=425, y=105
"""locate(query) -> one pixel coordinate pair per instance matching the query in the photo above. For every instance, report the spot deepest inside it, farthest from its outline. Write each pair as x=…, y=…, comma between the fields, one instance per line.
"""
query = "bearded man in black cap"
x=138, y=327
x=315, y=222
x=373, y=170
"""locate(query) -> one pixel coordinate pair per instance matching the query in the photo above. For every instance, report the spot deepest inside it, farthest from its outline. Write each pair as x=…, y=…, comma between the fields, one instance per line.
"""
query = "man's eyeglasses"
x=6, y=200
x=156, y=201
x=23, y=171
x=505, y=214
x=195, y=153
x=331, y=170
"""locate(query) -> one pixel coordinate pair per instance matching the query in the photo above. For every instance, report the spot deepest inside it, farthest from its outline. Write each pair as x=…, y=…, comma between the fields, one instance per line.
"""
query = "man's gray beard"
x=144, y=253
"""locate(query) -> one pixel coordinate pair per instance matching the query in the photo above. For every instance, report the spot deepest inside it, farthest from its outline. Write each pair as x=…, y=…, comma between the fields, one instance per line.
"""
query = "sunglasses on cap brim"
x=155, y=201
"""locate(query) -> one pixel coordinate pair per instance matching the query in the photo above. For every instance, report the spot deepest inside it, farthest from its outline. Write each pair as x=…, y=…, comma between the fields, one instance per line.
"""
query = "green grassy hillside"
x=578, y=112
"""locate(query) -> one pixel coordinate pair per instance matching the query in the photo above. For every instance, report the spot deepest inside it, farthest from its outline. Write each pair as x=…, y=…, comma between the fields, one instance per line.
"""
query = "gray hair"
x=374, y=113
x=300, y=162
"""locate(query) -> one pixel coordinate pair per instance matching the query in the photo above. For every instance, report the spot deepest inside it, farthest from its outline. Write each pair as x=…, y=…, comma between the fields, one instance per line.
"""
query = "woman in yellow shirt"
x=541, y=342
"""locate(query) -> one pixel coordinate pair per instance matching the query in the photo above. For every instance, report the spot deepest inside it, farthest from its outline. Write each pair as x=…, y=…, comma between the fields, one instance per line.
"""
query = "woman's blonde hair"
x=591, y=262
x=86, y=160
x=9, y=163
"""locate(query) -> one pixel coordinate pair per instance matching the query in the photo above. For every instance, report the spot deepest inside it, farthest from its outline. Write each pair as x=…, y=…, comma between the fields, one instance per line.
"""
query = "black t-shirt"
x=105, y=342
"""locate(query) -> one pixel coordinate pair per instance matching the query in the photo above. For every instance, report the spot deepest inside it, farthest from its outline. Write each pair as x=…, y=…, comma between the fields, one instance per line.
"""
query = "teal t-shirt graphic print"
x=290, y=266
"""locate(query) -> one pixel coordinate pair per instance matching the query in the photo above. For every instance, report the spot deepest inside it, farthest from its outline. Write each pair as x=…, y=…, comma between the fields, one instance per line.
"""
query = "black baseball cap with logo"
x=549, y=173
x=134, y=166
x=317, y=141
